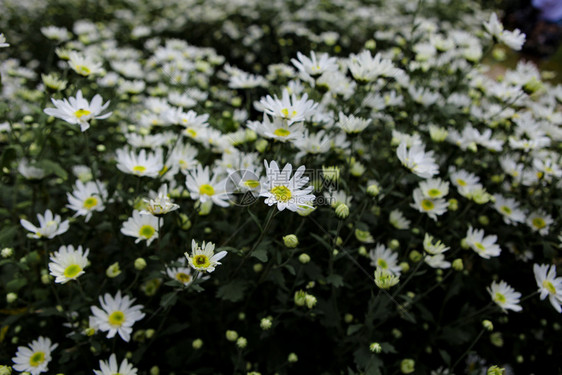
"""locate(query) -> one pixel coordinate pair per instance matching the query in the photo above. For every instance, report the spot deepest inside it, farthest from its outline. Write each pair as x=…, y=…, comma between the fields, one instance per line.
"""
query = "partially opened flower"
x=204, y=258
x=49, y=226
x=289, y=107
x=78, y=110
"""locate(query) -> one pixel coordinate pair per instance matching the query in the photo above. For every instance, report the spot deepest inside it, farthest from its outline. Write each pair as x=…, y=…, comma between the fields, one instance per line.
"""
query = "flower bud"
x=342, y=211
x=7, y=252
x=496, y=339
x=300, y=298
x=373, y=190
x=483, y=219
x=394, y=244
x=495, y=370
x=149, y=333
x=197, y=344
x=453, y=204
x=113, y=270
x=348, y=318
x=266, y=323
x=407, y=366
x=231, y=335
x=11, y=297
x=405, y=266
x=5, y=370
x=304, y=258
x=140, y=264
x=154, y=370
x=458, y=264
x=261, y=145
x=241, y=342
x=375, y=347
x=415, y=256
x=487, y=325
x=291, y=241
x=258, y=267
x=292, y=358
x=464, y=244
x=45, y=279
x=310, y=301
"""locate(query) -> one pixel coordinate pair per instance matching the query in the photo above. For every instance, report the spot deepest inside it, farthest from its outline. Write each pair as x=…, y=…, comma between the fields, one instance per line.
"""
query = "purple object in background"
x=551, y=10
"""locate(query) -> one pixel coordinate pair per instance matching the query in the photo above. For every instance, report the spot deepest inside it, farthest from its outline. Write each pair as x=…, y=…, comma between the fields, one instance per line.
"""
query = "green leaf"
x=7, y=234
x=353, y=329
x=233, y=291
x=446, y=357
x=335, y=280
x=322, y=241
x=9, y=154
x=50, y=166
x=387, y=347
x=291, y=269
x=255, y=219
x=260, y=254
x=169, y=299
x=15, y=285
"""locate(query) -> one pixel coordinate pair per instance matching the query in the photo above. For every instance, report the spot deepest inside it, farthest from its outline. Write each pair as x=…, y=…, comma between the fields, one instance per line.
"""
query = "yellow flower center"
x=83, y=70
x=500, y=298
x=139, y=168
x=549, y=286
x=427, y=205
x=192, y=133
x=36, y=359
x=183, y=277
x=479, y=246
x=461, y=182
x=206, y=189
x=116, y=318
x=201, y=261
x=146, y=231
x=90, y=202
x=282, y=132
x=539, y=223
x=285, y=113
x=81, y=112
x=434, y=193
x=282, y=193
x=506, y=210
x=72, y=270
x=382, y=263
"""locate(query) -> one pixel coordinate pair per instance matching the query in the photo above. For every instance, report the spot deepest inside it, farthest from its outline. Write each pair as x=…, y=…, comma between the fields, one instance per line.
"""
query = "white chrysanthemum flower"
x=509, y=209
x=398, y=221
x=434, y=188
x=313, y=67
x=437, y=261
x=78, y=110
x=204, y=258
x=286, y=191
x=142, y=227
x=351, y=124
x=385, y=259
x=68, y=264
x=59, y=34
x=204, y=187
x=539, y=221
x=289, y=108
x=34, y=358
x=87, y=198
x=277, y=129
x=117, y=315
x=161, y=204
x=417, y=160
x=84, y=65
x=486, y=247
x=431, y=207
x=182, y=158
x=464, y=181
x=513, y=39
x=181, y=274
x=549, y=285
x=30, y=171
x=433, y=248
x=366, y=68
x=112, y=368
x=49, y=226
x=505, y=296
x=141, y=164
x=3, y=43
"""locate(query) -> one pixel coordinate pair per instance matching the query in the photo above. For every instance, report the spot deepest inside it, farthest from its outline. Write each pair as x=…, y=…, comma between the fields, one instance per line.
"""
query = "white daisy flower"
x=434, y=188
x=464, y=181
x=289, y=108
x=181, y=274
x=87, y=198
x=486, y=247
x=49, y=226
x=385, y=259
x=203, y=258
x=277, y=129
x=351, y=124
x=78, y=110
x=313, y=67
x=433, y=248
x=204, y=187
x=141, y=164
x=286, y=191
x=431, y=207
x=142, y=227
x=161, y=204
x=437, y=261
x=34, y=358
x=505, y=296
x=549, y=285
x=182, y=158
x=30, y=171
x=366, y=68
x=398, y=221
x=539, y=221
x=117, y=315
x=417, y=160
x=112, y=368
x=509, y=209
x=84, y=65
x=68, y=264
x=3, y=43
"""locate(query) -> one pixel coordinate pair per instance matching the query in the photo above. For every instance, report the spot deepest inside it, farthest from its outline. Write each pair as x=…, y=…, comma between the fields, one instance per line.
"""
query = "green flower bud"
x=495, y=370
x=7, y=252
x=483, y=219
x=261, y=145
x=197, y=344
x=291, y=241
x=362, y=251
x=407, y=366
x=241, y=342
x=348, y=318
x=304, y=258
x=258, y=267
x=113, y=270
x=45, y=279
x=11, y=297
x=453, y=204
x=487, y=325
x=394, y=244
x=342, y=211
x=458, y=264
x=154, y=370
x=231, y=335
x=464, y=244
x=266, y=323
x=140, y=264
x=292, y=358
x=373, y=190
x=415, y=256
x=5, y=370
x=496, y=339
x=300, y=298
x=149, y=333
x=375, y=347
x=310, y=301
